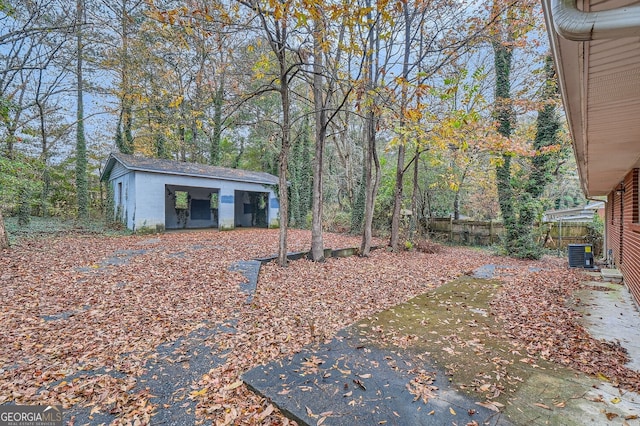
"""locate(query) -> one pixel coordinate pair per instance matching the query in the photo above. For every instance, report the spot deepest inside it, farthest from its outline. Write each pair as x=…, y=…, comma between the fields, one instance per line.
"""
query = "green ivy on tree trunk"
x=81, y=143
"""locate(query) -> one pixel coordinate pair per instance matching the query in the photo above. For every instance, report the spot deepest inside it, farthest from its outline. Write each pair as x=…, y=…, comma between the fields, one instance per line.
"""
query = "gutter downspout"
x=573, y=24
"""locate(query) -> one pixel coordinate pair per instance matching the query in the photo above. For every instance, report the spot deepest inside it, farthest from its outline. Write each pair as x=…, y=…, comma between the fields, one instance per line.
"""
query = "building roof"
x=576, y=214
x=170, y=167
x=599, y=75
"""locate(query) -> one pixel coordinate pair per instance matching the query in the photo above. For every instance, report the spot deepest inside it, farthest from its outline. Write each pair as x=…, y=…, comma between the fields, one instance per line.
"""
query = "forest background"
x=379, y=115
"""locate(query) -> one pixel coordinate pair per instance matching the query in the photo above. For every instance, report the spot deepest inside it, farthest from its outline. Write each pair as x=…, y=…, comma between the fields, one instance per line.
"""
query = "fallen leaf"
x=234, y=385
x=490, y=405
x=310, y=413
x=611, y=416
x=265, y=413
x=196, y=394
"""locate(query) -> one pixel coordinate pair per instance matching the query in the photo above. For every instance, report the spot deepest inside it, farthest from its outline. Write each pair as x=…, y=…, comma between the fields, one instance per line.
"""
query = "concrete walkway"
x=610, y=313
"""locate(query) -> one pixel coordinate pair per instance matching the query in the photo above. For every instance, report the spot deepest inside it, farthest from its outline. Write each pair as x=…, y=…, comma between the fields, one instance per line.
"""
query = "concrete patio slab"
x=439, y=359
x=351, y=381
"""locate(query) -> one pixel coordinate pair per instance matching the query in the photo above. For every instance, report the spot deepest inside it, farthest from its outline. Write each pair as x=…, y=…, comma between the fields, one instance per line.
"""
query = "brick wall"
x=623, y=231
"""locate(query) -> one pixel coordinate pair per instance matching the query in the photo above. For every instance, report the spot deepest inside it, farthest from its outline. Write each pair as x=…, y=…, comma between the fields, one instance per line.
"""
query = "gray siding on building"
x=145, y=200
x=118, y=170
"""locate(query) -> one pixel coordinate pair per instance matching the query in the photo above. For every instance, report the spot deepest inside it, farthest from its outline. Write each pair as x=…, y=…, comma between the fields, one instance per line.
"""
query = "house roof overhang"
x=596, y=48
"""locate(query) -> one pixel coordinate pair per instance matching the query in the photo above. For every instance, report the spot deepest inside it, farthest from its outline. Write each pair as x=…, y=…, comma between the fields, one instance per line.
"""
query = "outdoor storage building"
x=153, y=195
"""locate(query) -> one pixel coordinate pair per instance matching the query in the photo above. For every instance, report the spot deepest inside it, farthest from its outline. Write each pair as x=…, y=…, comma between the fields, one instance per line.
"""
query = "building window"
x=119, y=194
x=200, y=210
x=182, y=200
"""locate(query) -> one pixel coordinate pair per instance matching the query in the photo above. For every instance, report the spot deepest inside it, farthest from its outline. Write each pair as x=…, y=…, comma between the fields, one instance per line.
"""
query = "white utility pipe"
x=576, y=25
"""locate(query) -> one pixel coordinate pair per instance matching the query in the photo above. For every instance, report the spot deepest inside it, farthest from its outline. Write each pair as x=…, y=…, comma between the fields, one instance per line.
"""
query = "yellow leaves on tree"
x=176, y=102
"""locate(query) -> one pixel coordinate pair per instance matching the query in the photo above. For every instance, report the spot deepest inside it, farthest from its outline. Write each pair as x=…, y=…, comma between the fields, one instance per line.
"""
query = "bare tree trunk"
x=44, y=153
x=4, y=239
x=397, y=196
x=372, y=181
x=214, y=143
x=283, y=163
x=283, y=158
x=413, y=224
x=317, y=243
x=277, y=34
x=397, y=199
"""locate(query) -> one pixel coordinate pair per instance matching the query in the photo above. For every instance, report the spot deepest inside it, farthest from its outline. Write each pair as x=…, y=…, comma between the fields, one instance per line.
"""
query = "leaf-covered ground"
x=104, y=304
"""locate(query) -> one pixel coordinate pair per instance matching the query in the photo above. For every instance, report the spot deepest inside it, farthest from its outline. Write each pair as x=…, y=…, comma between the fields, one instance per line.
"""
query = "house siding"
x=151, y=209
x=623, y=231
x=124, y=196
x=118, y=171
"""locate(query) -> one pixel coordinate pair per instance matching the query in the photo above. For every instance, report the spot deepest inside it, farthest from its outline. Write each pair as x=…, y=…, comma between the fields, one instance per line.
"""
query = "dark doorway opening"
x=251, y=209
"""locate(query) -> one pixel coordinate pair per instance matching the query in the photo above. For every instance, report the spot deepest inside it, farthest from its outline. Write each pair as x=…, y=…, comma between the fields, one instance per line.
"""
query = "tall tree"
x=275, y=19
x=434, y=34
x=122, y=18
x=328, y=48
x=372, y=169
x=82, y=187
x=511, y=22
x=320, y=115
x=545, y=145
x=49, y=84
x=409, y=16
x=503, y=45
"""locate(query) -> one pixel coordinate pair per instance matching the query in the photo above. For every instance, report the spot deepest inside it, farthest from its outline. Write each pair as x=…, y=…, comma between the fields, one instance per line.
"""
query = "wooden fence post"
x=451, y=229
x=490, y=231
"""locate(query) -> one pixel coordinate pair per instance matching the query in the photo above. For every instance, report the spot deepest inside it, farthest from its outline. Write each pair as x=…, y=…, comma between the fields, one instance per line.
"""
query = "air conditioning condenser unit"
x=581, y=256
